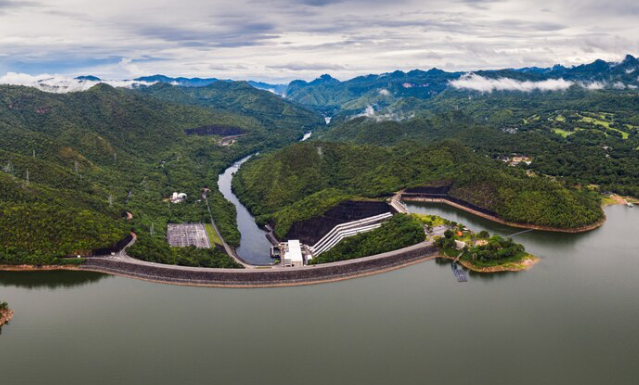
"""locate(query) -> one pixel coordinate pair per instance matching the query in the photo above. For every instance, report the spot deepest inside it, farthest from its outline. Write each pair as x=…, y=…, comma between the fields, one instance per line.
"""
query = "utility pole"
x=152, y=229
x=27, y=179
x=8, y=168
x=110, y=200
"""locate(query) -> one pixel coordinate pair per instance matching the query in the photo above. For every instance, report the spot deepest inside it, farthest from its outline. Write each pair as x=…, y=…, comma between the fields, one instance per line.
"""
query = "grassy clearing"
x=563, y=133
x=591, y=120
x=431, y=220
x=607, y=200
x=600, y=121
x=624, y=134
x=214, y=237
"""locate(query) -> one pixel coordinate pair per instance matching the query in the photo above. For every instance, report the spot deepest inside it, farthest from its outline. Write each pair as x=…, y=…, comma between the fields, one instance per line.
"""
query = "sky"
x=279, y=40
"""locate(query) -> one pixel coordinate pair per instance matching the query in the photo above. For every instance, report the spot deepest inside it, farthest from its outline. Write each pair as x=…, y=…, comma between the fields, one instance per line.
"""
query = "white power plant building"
x=292, y=255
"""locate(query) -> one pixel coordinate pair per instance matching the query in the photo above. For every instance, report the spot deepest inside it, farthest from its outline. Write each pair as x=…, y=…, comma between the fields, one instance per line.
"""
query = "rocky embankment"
x=272, y=277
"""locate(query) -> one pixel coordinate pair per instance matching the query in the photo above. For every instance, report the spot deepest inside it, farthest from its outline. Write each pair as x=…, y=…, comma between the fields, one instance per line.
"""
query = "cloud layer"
x=475, y=82
x=280, y=40
x=61, y=84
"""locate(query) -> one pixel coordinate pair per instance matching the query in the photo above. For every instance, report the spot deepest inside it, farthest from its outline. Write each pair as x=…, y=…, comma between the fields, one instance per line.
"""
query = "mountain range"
x=330, y=96
x=72, y=164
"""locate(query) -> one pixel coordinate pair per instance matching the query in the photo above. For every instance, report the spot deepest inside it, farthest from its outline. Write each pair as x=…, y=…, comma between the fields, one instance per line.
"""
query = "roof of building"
x=294, y=251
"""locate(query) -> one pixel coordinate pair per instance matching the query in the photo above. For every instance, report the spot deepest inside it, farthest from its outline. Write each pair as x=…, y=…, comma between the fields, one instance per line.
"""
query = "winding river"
x=254, y=246
x=572, y=319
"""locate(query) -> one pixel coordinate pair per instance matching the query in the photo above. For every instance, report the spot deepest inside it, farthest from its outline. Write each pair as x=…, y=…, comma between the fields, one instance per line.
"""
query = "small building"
x=178, y=197
x=292, y=254
x=481, y=242
x=459, y=244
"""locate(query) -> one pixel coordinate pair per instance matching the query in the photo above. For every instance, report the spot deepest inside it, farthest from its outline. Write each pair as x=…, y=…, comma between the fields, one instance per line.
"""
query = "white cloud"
x=384, y=92
x=344, y=37
x=370, y=113
x=60, y=83
x=130, y=68
x=479, y=83
x=593, y=86
x=619, y=86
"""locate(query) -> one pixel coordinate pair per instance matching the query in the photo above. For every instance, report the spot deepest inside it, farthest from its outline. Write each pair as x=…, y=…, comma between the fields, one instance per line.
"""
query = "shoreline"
x=617, y=200
x=525, y=264
x=250, y=278
x=268, y=278
x=495, y=219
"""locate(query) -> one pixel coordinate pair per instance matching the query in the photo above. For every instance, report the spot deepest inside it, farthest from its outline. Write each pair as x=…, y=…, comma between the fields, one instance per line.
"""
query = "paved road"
x=397, y=204
x=123, y=257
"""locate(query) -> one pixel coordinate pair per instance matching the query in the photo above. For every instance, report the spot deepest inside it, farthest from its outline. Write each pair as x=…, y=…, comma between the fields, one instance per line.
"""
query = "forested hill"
x=305, y=179
x=354, y=96
x=270, y=110
x=581, y=136
x=70, y=164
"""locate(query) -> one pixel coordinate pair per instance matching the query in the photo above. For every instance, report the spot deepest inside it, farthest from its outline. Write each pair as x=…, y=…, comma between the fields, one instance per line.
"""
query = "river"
x=571, y=319
x=254, y=246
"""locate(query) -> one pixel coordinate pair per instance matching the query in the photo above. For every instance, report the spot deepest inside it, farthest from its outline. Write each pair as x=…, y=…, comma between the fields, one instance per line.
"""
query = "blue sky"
x=278, y=40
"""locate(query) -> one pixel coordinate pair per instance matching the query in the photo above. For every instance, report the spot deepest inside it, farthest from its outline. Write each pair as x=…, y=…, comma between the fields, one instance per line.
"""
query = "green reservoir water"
x=572, y=319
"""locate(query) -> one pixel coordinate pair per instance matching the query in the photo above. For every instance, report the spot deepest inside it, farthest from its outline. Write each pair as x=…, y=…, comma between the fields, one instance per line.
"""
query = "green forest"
x=147, y=249
x=583, y=137
x=72, y=165
x=306, y=177
x=482, y=250
x=398, y=232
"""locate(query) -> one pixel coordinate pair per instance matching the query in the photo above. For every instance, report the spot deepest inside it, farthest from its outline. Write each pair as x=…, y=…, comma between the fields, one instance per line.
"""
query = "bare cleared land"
x=188, y=234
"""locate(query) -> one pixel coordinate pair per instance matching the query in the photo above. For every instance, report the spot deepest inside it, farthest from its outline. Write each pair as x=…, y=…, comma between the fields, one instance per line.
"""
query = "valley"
x=440, y=136
x=319, y=192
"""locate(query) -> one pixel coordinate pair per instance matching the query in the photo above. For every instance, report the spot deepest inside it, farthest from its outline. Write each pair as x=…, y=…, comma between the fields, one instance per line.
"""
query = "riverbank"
x=37, y=268
x=495, y=219
x=615, y=199
x=516, y=266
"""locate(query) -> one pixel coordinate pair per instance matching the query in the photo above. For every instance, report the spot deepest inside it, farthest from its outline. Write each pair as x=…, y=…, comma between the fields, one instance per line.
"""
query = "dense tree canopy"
x=398, y=232
x=304, y=176
x=72, y=164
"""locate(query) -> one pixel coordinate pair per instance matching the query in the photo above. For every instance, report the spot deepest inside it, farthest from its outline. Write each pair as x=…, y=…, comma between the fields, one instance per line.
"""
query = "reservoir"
x=571, y=319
